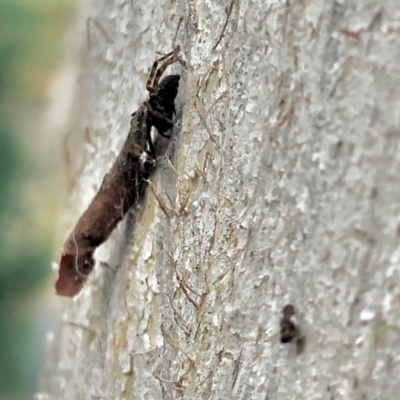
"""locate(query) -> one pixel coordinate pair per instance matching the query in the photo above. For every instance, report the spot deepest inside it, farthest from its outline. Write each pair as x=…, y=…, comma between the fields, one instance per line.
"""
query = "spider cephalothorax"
x=160, y=109
x=163, y=100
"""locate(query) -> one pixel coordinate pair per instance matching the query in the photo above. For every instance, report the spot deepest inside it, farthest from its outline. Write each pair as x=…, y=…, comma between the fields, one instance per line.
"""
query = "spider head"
x=168, y=88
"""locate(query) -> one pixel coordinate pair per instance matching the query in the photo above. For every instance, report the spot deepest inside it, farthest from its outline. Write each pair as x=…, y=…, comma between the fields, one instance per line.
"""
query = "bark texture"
x=285, y=189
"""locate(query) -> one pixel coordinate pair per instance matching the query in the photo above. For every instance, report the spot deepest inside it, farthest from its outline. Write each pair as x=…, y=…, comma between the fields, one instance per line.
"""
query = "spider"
x=159, y=109
x=125, y=184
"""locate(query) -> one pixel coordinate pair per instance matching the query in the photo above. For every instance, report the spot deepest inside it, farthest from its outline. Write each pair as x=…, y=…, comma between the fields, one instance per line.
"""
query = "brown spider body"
x=124, y=185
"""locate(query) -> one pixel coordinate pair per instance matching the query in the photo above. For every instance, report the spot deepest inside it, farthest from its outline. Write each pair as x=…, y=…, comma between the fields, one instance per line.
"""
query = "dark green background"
x=31, y=32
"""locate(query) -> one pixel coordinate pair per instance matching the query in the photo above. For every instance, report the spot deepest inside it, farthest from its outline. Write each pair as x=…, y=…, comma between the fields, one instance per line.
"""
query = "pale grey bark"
x=286, y=190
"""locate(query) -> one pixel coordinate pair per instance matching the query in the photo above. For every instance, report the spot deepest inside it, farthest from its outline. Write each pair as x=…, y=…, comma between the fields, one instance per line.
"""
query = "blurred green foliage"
x=30, y=37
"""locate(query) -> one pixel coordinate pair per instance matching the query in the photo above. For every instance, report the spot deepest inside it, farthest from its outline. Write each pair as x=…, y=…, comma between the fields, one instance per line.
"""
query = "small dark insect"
x=126, y=182
x=288, y=329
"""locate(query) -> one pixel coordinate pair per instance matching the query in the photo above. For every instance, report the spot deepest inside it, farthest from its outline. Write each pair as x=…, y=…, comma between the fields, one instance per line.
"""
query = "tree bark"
x=284, y=190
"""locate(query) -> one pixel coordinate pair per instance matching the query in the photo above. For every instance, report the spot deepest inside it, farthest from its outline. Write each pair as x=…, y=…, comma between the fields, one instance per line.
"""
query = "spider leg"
x=157, y=71
x=153, y=73
x=160, y=118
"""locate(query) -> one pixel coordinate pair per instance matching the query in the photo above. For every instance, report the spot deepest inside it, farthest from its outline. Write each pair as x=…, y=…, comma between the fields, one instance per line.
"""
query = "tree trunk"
x=284, y=190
